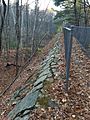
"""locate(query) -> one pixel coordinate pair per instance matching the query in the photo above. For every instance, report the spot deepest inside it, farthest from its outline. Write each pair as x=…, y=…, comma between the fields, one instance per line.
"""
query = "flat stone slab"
x=44, y=72
x=38, y=87
x=49, y=58
x=44, y=68
x=26, y=117
x=53, y=63
x=46, y=60
x=54, y=70
x=40, y=80
x=29, y=101
x=51, y=52
x=26, y=103
x=52, y=104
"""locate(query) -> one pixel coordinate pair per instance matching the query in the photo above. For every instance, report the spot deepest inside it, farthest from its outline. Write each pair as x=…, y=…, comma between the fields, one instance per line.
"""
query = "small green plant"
x=43, y=101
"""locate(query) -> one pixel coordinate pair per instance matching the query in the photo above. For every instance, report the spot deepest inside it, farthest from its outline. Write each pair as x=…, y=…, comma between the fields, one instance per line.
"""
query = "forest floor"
x=74, y=105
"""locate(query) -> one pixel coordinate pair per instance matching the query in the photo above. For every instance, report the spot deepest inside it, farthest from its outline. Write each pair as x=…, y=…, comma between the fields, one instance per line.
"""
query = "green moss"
x=39, y=51
x=43, y=101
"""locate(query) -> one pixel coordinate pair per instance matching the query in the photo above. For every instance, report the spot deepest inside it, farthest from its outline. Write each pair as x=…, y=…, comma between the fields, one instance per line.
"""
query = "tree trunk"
x=27, y=11
x=85, y=14
x=75, y=12
x=17, y=35
x=21, y=25
x=34, y=27
x=7, y=30
x=2, y=22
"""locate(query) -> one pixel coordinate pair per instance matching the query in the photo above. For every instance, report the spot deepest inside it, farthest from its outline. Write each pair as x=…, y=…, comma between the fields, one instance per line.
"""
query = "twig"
x=23, y=67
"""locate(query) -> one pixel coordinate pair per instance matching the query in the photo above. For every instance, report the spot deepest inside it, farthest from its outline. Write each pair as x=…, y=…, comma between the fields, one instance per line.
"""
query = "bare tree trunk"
x=27, y=22
x=85, y=13
x=75, y=12
x=0, y=26
x=17, y=35
x=42, y=19
x=34, y=27
x=7, y=31
x=2, y=23
x=21, y=25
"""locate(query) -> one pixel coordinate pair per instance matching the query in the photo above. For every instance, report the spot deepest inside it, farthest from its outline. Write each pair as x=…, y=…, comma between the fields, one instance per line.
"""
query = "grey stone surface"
x=30, y=100
x=43, y=64
x=45, y=68
x=53, y=63
x=38, y=87
x=54, y=70
x=44, y=73
x=49, y=75
x=26, y=117
x=26, y=103
x=52, y=104
x=40, y=80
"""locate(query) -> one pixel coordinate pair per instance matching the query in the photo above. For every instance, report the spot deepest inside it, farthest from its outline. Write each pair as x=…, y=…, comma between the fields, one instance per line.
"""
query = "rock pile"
x=48, y=69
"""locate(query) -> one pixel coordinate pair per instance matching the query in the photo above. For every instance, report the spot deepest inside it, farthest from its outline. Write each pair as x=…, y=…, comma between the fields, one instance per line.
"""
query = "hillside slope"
x=42, y=96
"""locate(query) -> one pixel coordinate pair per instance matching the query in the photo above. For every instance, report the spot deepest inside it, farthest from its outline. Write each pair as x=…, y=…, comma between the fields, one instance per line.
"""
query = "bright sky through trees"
x=42, y=3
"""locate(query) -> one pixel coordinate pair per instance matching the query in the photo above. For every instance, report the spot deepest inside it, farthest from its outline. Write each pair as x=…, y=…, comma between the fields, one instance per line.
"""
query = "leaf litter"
x=74, y=105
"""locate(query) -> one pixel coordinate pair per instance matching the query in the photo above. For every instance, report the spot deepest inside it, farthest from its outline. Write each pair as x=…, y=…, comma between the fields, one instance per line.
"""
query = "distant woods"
x=76, y=12
x=32, y=24
x=24, y=29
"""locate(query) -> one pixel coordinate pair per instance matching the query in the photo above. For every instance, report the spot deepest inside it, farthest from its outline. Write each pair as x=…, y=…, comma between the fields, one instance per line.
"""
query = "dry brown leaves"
x=6, y=76
x=74, y=105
